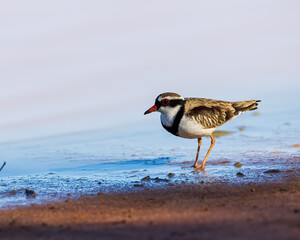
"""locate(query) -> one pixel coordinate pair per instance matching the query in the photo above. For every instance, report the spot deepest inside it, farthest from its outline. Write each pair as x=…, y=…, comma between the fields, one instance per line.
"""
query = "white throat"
x=168, y=115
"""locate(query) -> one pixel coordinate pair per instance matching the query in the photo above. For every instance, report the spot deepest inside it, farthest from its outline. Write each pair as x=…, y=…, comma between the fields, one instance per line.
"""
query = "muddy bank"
x=184, y=211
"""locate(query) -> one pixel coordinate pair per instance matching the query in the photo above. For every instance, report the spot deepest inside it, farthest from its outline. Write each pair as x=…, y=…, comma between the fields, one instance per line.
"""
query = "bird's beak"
x=152, y=109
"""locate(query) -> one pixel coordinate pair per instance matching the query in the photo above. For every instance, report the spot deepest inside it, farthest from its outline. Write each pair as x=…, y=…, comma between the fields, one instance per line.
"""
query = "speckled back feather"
x=213, y=113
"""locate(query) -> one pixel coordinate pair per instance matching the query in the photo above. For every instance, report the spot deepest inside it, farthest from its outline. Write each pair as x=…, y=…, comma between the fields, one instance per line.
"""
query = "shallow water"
x=69, y=166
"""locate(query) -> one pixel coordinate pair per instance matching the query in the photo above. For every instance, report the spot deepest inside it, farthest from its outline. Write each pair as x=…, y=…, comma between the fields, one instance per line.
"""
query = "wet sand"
x=185, y=211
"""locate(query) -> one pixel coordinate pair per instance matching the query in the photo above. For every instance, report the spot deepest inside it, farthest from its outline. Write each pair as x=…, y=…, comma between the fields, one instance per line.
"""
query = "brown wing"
x=213, y=113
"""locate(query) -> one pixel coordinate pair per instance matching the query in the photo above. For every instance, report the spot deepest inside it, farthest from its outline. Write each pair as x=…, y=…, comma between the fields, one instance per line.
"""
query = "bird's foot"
x=200, y=167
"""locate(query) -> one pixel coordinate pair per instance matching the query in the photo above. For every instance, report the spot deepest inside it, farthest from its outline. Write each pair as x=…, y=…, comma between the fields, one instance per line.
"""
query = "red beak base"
x=150, y=110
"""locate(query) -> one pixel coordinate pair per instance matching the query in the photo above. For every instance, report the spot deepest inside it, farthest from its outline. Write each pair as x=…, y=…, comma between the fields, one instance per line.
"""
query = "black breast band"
x=174, y=128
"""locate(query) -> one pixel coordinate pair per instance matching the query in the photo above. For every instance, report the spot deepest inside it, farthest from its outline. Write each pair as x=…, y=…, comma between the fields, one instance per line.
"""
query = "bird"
x=194, y=118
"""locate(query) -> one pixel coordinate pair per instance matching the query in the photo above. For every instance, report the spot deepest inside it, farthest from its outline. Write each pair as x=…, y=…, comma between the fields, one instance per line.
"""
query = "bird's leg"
x=196, y=161
x=201, y=166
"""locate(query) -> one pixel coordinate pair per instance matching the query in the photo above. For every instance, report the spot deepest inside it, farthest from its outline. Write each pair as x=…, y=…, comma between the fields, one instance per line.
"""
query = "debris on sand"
x=30, y=193
x=13, y=192
x=239, y=174
x=2, y=166
x=237, y=164
x=157, y=179
x=272, y=171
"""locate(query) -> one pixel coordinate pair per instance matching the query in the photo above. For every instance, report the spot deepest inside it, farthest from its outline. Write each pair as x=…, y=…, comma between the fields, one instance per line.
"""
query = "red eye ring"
x=165, y=102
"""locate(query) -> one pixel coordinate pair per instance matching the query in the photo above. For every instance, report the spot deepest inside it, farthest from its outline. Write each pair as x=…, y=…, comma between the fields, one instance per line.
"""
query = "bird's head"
x=166, y=102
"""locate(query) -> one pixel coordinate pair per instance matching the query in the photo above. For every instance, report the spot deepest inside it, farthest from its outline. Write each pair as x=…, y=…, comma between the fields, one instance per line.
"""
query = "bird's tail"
x=244, y=106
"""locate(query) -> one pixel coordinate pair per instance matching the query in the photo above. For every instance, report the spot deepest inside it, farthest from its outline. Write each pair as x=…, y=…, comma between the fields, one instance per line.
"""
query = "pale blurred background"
x=71, y=66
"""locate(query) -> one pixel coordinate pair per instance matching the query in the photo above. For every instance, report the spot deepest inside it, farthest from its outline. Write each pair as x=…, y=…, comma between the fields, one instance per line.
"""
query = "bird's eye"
x=165, y=102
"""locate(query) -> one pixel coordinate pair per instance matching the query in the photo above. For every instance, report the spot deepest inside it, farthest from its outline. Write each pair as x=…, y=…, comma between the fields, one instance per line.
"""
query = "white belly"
x=189, y=128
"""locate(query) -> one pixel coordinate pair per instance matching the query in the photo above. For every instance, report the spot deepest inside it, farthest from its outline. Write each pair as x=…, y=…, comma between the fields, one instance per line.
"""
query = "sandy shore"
x=186, y=211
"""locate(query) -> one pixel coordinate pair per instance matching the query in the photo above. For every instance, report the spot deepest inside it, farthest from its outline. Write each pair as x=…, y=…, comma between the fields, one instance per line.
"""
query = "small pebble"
x=170, y=175
x=30, y=193
x=237, y=164
x=157, y=179
x=272, y=171
x=225, y=162
x=119, y=222
x=282, y=189
x=138, y=185
x=147, y=178
x=43, y=224
x=296, y=210
x=12, y=222
x=239, y=174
